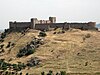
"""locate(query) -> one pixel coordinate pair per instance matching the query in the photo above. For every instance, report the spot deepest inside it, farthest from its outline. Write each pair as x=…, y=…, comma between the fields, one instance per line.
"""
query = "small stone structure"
x=47, y=24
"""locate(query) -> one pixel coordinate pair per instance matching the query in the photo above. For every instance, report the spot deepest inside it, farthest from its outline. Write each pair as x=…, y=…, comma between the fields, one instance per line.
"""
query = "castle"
x=49, y=24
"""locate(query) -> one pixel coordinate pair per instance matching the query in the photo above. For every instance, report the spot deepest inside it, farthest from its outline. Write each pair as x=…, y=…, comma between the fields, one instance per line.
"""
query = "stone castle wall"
x=84, y=26
x=51, y=23
x=31, y=24
x=19, y=25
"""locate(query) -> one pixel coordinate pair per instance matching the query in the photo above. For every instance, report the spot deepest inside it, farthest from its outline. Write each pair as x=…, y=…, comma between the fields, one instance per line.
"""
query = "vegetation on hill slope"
x=73, y=51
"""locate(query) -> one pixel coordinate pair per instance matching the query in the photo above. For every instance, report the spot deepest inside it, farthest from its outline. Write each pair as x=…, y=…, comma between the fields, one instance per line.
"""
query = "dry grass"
x=61, y=52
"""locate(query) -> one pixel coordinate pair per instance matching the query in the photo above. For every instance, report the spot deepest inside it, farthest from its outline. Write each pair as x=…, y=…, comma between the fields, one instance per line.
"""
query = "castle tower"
x=92, y=24
x=12, y=25
x=33, y=22
x=52, y=19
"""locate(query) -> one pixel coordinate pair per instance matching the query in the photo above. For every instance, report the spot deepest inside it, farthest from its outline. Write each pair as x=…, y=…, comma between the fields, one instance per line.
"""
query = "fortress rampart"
x=47, y=24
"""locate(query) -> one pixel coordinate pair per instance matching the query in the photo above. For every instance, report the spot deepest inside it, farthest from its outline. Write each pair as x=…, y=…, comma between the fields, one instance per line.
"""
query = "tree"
x=42, y=34
x=15, y=67
x=1, y=46
x=8, y=45
x=20, y=73
x=50, y=73
x=3, y=35
x=63, y=73
x=42, y=73
x=57, y=73
x=27, y=74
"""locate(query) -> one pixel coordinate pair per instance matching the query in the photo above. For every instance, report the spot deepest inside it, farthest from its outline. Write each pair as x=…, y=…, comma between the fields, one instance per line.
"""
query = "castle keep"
x=47, y=24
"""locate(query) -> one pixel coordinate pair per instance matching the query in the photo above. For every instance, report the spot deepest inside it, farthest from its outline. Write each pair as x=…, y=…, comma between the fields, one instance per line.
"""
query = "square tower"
x=52, y=19
x=33, y=22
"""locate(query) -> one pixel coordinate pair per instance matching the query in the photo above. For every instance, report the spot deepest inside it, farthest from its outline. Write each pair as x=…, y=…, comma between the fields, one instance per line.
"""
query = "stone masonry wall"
x=47, y=24
x=19, y=25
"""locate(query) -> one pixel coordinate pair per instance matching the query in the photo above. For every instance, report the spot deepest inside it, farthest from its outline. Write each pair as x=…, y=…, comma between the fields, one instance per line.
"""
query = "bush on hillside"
x=42, y=34
x=7, y=31
x=1, y=40
x=50, y=73
x=15, y=67
x=1, y=46
x=63, y=73
x=88, y=35
x=54, y=33
x=9, y=43
x=13, y=44
x=27, y=74
x=57, y=73
x=25, y=52
x=20, y=73
x=34, y=61
x=30, y=51
x=59, y=31
x=63, y=31
x=3, y=35
x=42, y=73
x=19, y=66
x=30, y=48
x=3, y=65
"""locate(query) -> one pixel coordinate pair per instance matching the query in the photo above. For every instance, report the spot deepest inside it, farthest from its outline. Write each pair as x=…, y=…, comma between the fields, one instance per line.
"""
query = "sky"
x=64, y=10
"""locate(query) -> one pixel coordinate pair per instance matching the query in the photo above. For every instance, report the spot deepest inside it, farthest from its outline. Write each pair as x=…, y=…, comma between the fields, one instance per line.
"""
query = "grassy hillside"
x=74, y=51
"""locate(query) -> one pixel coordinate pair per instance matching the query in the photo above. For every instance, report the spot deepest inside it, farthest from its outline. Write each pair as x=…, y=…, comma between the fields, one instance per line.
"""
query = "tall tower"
x=92, y=24
x=52, y=19
x=33, y=22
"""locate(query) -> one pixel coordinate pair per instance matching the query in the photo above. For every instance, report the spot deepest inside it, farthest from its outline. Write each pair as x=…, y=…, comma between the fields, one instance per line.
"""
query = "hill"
x=98, y=25
x=74, y=51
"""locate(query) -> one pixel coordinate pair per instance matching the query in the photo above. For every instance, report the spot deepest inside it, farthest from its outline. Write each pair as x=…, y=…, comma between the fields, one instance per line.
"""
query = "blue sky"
x=64, y=10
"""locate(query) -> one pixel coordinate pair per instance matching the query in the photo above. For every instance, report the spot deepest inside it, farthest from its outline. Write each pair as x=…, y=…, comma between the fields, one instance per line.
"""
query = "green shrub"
x=20, y=73
x=34, y=61
x=6, y=73
x=63, y=31
x=4, y=66
x=54, y=33
x=30, y=48
x=42, y=73
x=19, y=55
x=57, y=73
x=13, y=44
x=97, y=73
x=50, y=73
x=1, y=40
x=30, y=51
x=21, y=66
x=7, y=31
x=15, y=67
x=27, y=74
x=42, y=34
x=88, y=35
x=3, y=35
x=9, y=43
x=63, y=73
x=25, y=52
x=1, y=46
x=12, y=73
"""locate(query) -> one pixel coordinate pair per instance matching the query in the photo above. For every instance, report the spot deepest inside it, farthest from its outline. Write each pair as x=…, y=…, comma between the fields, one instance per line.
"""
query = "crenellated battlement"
x=51, y=23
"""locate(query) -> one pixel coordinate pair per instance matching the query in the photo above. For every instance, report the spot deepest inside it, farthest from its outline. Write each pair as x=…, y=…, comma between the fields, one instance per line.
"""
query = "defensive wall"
x=47, y=24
